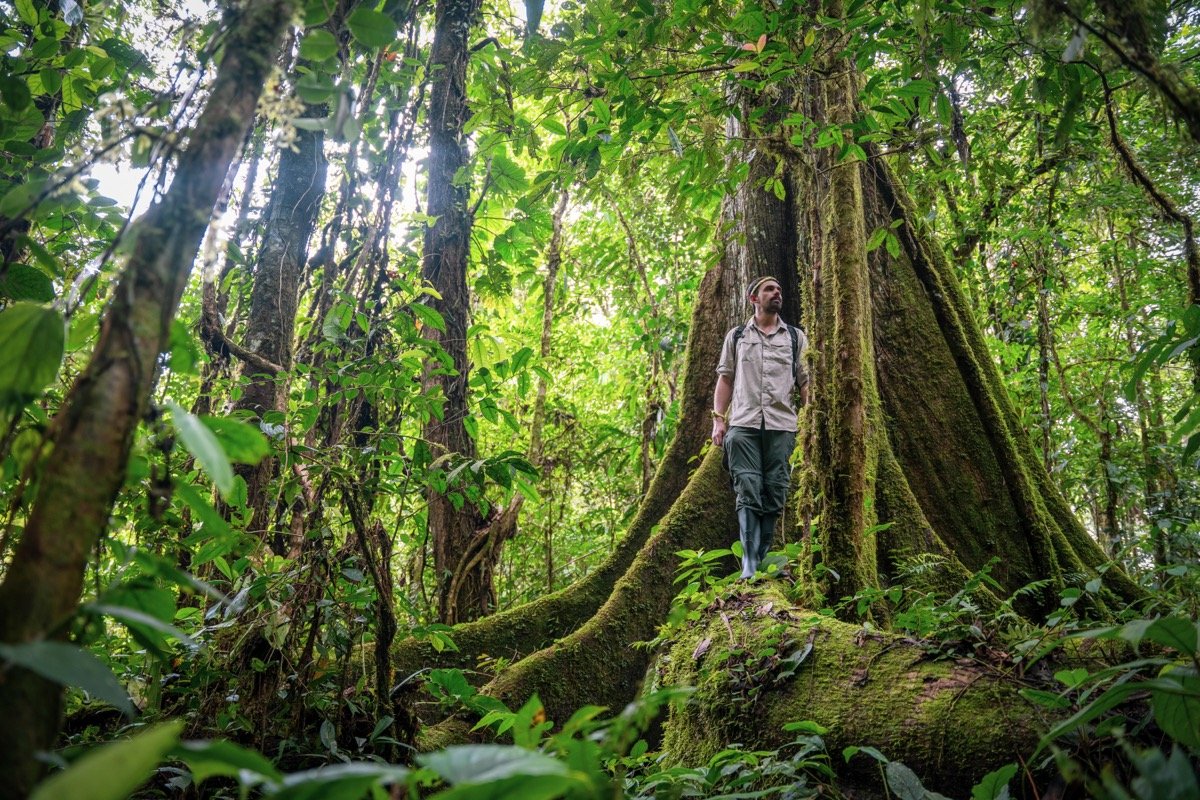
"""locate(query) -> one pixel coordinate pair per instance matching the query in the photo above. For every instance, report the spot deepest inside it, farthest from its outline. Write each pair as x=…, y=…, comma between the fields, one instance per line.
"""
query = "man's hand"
x=722, y=394
x=718, y=432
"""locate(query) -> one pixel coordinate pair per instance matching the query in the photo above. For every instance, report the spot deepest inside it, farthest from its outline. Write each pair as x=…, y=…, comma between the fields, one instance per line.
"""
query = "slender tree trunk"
x=270, y=329
x=1158, y=473
x=452, y=528
x=94, y=430
x=1044, y=334
x=537, y=455
x=1110, y=529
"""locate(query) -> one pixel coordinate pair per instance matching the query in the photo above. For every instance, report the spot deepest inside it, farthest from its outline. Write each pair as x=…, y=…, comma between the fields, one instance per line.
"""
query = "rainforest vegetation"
x=356, y=361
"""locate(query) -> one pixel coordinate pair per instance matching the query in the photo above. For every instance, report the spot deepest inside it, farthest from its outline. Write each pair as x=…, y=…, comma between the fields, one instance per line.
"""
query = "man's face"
x=769, y=296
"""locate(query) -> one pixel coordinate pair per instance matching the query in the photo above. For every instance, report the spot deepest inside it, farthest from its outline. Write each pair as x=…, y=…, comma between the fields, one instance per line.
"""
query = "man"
x=760, y=376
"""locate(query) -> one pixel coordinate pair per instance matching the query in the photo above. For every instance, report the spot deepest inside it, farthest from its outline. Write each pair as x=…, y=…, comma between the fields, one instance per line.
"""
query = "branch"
x=220, y=344
x=1182, y=96
x=1164, y=203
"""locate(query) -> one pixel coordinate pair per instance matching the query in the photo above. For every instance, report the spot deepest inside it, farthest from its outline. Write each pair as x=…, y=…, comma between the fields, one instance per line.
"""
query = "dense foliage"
x=260, y=557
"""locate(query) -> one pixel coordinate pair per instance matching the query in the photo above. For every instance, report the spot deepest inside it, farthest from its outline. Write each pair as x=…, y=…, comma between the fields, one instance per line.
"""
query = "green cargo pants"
x=758, y=463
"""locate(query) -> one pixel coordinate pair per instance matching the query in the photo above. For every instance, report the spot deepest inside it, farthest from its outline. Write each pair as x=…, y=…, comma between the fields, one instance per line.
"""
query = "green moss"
x=951, y=721
x=596, y=663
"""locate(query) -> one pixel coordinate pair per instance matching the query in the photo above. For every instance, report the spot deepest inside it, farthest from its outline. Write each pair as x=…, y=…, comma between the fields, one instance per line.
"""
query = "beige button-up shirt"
x=764, y=378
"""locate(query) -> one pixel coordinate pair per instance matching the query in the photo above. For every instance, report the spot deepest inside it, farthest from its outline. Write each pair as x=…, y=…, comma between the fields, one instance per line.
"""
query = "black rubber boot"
x=766, y=535
x=748, y=523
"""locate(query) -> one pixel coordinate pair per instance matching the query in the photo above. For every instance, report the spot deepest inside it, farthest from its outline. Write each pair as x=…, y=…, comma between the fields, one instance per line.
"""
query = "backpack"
x=740, y=331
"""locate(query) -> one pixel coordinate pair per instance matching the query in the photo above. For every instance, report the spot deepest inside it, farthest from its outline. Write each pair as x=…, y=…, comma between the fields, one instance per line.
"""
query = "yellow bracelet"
x=718, y=415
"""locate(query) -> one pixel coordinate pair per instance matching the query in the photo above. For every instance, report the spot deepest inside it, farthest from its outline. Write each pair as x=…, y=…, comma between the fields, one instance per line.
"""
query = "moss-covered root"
x=597, y=664
x=951, y=721
x=515, y=633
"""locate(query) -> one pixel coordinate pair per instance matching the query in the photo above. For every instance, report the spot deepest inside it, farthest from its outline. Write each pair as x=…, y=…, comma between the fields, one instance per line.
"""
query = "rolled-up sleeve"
x=725, y=365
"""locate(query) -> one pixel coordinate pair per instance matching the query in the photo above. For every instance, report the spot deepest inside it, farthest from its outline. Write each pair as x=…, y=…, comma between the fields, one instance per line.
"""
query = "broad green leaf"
x=23, y=282
x=1071, y=677
x=853, y=750
x=339, y=782
x=1178, y=633
x=317, y=12
x=19, y=198
x=315, y=88
x=70, y=665
x=429, y=316
x=1105, y=702
x=328, y=736
x=49, y=263
x=133, y=617
x=877, y=237
x=994, y=785
x=24, y=127
x=27, y=11
x=34, y=338
x=891, y=243
x=1175, y=700
x=480, y=763
x=519, y=787
x=216, y=534
x=318, y=45
x=903, y=781
x=221, y=758
x=113, y=771
x=184, y=349
x=15, y=92
x=242, y=442
x=1044, y=698
x=507, y=175
x=44, y=48
x=372, y=28
x=203, y=444
x=943, y=109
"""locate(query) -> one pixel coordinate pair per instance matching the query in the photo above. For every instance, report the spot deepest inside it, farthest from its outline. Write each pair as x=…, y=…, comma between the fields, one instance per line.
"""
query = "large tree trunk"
x=94, y=430
x=910, y=426
x=946, y=461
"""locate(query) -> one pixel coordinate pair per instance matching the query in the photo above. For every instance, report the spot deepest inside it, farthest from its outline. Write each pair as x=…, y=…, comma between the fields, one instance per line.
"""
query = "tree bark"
x=94, y=430
x=270, y=329
x=444, y=265
x=537, y=455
